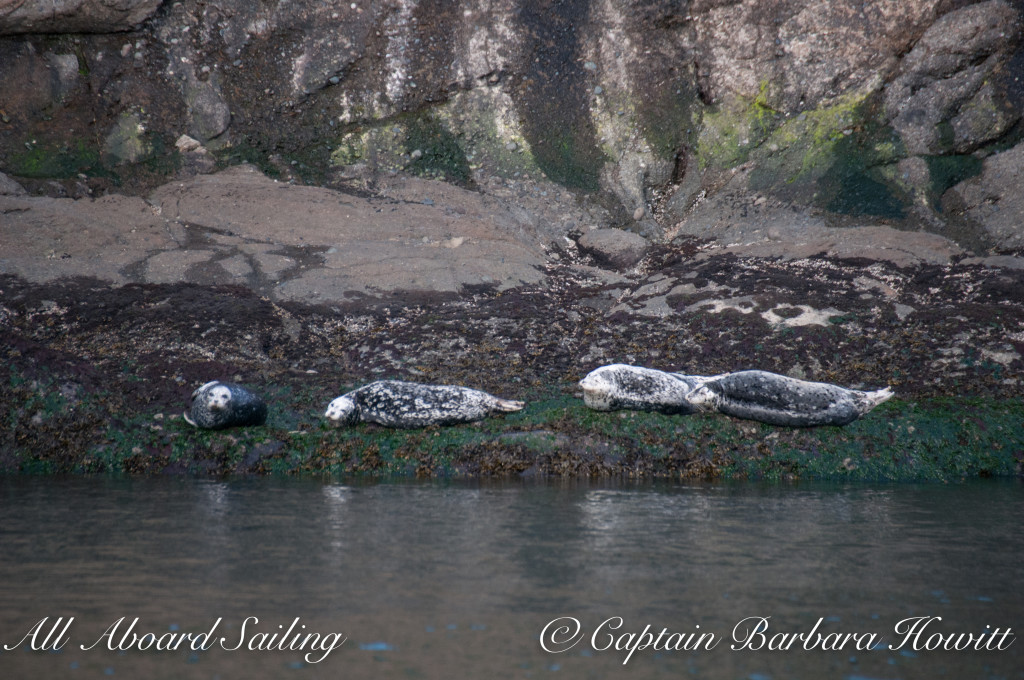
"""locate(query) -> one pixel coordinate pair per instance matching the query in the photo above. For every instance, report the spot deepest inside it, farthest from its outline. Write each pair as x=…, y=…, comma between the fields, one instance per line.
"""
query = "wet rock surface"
x=289, y=242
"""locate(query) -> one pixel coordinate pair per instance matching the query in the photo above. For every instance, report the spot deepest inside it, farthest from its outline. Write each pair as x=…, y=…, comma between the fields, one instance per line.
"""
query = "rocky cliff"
x=864, y=114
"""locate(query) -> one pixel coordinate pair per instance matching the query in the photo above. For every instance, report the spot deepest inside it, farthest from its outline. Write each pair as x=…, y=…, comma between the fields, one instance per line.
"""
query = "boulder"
x=8, y=187
x=613, y=248
x=798, y=53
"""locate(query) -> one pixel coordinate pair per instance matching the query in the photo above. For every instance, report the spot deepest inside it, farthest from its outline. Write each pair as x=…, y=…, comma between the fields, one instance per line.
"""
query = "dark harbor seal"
x=217, y=405
x=754, y=395
x=780, y=400
x=619, y=386
x=403, y=404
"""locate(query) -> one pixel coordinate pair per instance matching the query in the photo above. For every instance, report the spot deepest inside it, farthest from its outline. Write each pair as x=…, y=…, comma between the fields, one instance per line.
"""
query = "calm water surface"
x=444, y=580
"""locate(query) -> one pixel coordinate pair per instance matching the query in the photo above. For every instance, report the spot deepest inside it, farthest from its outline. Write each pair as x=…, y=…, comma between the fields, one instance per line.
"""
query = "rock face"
x=801, y=53
x=73, y=16
x=641, y=108
x=943, y=99
x=993, y=201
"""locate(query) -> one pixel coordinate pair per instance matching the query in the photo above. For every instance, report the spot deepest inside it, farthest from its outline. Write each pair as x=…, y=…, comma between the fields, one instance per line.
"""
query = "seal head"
x=217, y=405
x=343, y=410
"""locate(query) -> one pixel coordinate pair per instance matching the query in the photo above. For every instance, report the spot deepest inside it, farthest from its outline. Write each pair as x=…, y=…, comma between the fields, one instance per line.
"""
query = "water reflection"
x=444, y=579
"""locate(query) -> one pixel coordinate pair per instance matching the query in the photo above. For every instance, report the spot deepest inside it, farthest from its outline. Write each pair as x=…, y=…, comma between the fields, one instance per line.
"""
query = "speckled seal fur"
x=403, y=404
x=619, y=386
x=217, y=405
x=780, y=400
x=754, y=395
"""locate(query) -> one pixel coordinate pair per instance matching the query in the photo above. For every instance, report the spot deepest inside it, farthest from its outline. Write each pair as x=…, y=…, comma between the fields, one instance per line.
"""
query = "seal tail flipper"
x=508, y=405
x=189, y=420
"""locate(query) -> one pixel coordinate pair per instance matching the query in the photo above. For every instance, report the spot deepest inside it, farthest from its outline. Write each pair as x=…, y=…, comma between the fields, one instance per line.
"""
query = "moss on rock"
x=127, y=142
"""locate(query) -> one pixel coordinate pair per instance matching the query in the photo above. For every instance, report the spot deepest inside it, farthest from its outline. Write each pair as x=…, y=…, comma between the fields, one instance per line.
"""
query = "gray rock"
x=996, y=262
x=762, y=227
x=126, y=142
x=914, y=174
x=50, y=238
x=806, y=51
x=878, y=243
x=942, y=78
x=683, y=93
x=347, y=245
x=984, y=118
x=8, y=187
x=615, y=248
x=408, y=246
x=73, y=16
x=209, y=113
x=993, y=200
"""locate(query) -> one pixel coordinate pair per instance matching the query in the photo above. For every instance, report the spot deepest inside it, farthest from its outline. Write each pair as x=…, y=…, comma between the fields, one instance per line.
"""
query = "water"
x=444, y=580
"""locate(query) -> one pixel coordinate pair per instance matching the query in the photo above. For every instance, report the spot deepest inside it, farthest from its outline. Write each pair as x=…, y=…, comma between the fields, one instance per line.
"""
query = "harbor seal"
x=780, y=400
x=754, y=395
x=620, y=386
x=403, y=404
x=217, y=405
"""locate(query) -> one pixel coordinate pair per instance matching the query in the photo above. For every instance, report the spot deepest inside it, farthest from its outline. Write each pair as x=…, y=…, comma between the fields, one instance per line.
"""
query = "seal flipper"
x=508, y=405
x=878, y=397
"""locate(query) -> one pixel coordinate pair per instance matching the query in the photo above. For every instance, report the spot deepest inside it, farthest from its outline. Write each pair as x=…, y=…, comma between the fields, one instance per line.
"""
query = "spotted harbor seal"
x=217, y=405
x=754, y=395
x=403, y=404
x=619, y=386
x=780, y=400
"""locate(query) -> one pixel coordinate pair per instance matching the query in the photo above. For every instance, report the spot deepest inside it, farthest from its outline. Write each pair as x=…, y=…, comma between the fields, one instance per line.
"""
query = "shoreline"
x=95, y=376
